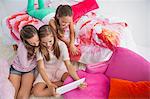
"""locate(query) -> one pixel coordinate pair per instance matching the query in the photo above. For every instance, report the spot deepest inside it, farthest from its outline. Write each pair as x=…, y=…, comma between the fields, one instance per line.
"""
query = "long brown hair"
x=44, y=31
x=27, y=32
x=62, y=11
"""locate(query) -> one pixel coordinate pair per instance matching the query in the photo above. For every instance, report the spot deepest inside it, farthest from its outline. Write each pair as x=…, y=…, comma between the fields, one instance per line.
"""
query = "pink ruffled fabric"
x=16, y=21
x=96, y=38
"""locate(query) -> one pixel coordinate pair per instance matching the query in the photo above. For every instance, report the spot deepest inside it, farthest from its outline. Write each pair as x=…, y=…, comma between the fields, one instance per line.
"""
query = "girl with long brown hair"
x=24, y=63
x=53, y=63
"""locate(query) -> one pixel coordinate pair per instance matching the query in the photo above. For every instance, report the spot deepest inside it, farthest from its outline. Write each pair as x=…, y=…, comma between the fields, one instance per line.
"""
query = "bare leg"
x=26, y=85
x=40, y=89
x=63, y=78
x=15, y=80
x=58, y=83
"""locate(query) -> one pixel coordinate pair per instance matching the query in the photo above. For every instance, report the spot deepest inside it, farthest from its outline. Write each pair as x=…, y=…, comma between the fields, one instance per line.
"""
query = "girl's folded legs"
x=63, y=78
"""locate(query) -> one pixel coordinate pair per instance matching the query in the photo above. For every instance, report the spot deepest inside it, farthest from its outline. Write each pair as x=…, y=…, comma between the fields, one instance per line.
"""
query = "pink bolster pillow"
x=83, y=7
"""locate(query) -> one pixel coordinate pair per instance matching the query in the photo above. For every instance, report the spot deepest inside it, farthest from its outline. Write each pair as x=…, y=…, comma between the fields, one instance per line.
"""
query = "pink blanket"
x=98, y=87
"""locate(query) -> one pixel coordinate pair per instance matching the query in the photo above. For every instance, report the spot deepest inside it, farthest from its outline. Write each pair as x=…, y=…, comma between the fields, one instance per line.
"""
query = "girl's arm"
x=72, y=47
x=72, y=33
x=52, y=24
x=66, y=59
x=42, y=72
x=71, y=69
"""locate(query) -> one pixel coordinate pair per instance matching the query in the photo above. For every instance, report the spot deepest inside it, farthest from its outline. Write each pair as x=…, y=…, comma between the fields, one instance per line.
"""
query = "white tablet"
x=70, y=86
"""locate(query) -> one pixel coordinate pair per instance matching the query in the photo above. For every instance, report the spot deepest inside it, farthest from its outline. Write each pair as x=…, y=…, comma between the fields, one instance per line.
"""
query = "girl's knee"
x=36, y=91
x=23, y=96
x=64, y=76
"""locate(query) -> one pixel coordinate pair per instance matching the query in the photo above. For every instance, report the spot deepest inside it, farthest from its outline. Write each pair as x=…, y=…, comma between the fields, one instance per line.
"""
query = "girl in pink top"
x=24, y=63
x=53, y=63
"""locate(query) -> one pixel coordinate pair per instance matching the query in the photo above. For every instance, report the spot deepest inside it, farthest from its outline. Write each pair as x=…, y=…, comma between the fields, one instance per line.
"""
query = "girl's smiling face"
x=65, y=21
x=48, y=41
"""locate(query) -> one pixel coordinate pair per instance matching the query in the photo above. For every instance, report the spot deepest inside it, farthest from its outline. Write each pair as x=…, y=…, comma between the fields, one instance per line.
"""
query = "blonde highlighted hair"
x=44, y=31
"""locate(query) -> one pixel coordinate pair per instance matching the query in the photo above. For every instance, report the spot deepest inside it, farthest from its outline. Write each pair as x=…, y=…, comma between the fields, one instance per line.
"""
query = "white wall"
x=136, y=14
x=148, y=11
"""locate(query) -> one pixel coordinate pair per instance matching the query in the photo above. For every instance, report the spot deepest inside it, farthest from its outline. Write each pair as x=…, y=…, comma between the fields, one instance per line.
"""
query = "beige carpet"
x=60, y=97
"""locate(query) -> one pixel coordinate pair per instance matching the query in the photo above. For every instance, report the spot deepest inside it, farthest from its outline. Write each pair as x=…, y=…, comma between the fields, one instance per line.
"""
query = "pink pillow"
x=100, y=67
x=83, y=7
x=98, y=87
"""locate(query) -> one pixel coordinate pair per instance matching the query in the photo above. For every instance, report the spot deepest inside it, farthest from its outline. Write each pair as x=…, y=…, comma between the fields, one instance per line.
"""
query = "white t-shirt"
x=54, y=62
x=64, y=55
x=55, y=68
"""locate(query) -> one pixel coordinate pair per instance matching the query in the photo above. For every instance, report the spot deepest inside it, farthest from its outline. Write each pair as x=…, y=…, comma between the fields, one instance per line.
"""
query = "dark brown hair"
x=27, y=32
x=61, y=11
x=44, y=31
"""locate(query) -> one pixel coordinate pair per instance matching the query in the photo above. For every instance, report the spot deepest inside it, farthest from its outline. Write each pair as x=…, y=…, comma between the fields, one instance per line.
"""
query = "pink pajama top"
x=21, y=62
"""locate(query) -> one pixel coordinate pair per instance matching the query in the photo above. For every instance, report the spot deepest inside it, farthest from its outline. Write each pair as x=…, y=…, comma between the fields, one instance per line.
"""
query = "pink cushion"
x=83, y=7
x=100, y=67
x=98, y=87
x=126, y=64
